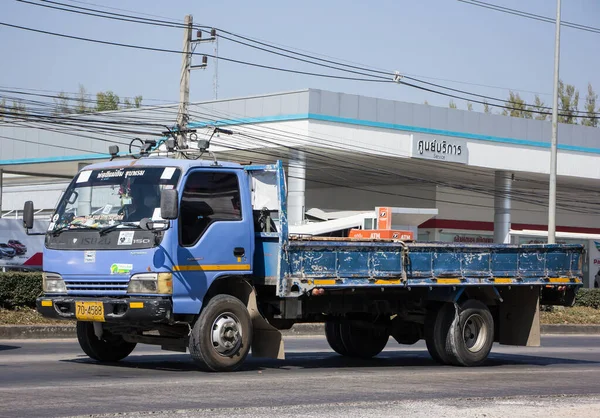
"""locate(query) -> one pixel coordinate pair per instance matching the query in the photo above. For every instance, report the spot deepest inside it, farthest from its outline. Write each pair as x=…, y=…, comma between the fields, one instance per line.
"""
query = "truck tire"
x=221, y=337
x=362, y=341
x=108, y=349
x=334, y=337
x=437, y=326
x=471, y=335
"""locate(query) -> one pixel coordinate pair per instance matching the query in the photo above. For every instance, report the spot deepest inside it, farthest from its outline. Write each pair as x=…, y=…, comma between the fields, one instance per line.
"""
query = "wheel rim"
x=474, y=333
x=226, y=336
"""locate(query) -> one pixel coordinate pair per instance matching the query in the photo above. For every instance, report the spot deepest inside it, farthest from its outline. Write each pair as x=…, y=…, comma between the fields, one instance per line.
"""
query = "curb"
x=13, y=332
x=570, y=329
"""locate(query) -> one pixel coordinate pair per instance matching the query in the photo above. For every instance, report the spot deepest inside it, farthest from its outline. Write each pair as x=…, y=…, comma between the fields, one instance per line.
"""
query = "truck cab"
x=122, y=262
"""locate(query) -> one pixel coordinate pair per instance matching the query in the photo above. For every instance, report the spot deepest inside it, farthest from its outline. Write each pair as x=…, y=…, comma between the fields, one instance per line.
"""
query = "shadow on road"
x=327, y=360
x=8, y=347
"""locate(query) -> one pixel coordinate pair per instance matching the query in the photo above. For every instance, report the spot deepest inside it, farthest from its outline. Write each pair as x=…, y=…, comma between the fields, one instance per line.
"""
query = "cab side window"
x=207, y=197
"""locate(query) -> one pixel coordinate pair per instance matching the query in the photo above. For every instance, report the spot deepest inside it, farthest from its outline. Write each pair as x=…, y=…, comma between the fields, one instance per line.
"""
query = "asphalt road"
x=54, y=378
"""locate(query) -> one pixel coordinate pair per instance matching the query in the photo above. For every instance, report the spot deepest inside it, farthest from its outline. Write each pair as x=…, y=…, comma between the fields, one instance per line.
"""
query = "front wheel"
x=109, y=348
x=221, y=337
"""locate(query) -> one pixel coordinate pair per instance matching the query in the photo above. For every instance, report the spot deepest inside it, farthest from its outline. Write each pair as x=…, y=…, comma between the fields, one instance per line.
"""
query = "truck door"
x=215, y=230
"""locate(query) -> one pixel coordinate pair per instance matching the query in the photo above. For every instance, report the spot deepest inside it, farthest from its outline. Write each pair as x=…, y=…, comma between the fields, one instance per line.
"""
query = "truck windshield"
x=101, y=198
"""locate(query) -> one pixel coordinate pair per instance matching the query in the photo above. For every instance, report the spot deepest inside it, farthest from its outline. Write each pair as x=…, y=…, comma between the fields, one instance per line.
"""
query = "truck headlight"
x=156, y=283
x=53, y=283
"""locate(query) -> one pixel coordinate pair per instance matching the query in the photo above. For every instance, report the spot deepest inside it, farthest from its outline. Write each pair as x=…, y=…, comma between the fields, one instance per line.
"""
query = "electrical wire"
x=413, y=179
x=533, y=16
x=356, y=168
x=376, y=191
x=123, y=18
x=147, y=48
x=383, y=75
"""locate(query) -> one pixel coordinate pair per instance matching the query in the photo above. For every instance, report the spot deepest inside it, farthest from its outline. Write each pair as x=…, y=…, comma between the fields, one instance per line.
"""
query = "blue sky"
x=443, y=39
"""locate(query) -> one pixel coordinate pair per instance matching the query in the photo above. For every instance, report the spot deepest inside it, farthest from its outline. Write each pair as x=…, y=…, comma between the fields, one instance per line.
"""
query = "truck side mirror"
x=169, y=204
x=28, y=215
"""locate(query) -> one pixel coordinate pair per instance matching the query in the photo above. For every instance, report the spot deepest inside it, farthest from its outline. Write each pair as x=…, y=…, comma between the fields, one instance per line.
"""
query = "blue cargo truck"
x=196, y=256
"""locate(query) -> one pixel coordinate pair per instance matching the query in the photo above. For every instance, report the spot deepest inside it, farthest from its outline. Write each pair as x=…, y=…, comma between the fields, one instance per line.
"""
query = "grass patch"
x=27, y=316
x=577, y=315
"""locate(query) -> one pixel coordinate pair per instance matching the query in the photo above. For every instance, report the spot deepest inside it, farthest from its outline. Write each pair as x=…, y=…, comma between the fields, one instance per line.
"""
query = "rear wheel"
x=221, y=337
x=471, y=337
x=334, y=337
x=437, y=326
x=109, y=348
x=362, y=340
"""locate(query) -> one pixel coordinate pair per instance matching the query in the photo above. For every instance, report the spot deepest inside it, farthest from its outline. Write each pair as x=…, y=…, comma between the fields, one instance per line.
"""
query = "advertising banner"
x=19, y=250
x=594, y=263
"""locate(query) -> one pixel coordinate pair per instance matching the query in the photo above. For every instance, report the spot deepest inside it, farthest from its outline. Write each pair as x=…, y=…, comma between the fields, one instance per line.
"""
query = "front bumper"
x=136, y=309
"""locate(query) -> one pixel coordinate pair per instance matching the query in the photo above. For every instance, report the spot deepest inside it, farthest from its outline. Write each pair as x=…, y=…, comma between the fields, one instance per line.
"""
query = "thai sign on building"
x=441, y=148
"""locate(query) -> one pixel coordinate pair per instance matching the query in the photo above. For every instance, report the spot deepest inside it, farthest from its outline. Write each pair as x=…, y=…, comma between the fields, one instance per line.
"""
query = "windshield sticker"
x=51, y=226
x=119, y=268
x=89, y=257
x=167, y=173
x=156, y=215
x=107, y=209
x=134, y=173
x=125, y=238
x=84, y=176
x=111, y=173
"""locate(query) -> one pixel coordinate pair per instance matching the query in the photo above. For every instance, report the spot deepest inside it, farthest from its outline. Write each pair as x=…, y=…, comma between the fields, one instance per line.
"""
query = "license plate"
x=89, y=311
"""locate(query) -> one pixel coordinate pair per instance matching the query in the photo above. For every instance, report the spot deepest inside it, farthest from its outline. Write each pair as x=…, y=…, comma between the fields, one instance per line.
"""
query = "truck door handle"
x=239, y=251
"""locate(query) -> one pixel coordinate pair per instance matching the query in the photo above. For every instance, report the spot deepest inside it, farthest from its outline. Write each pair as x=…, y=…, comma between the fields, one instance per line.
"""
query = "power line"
x=123, y=19
x=147, y=48
x=532, y=108
x=354, y=164
x=122, y=10
x=223, y=117
x=280, y=133
x=528, y=15
x=273, y=68
x=349, y=64
x=327, y=164
x=388, y=74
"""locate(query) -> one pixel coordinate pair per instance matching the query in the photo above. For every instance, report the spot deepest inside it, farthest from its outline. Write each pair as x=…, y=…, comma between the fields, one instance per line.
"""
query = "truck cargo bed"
x=340, y=262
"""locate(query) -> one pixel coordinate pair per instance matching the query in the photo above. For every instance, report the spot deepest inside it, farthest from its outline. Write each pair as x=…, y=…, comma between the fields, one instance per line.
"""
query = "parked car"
x=18, y=246
x=6, y=251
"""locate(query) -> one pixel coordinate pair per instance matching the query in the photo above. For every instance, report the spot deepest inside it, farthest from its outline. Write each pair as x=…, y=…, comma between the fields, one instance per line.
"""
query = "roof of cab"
x=160, y=162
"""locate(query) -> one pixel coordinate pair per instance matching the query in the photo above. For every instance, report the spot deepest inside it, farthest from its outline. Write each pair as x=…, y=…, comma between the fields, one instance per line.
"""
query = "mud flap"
x=267, y=340
x=519, y=317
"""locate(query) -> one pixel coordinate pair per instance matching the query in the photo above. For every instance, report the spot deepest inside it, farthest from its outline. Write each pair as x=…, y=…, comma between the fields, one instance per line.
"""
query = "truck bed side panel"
x=312, y=262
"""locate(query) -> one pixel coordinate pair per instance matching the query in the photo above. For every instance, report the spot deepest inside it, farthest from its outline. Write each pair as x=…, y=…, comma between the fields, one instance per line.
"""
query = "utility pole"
x=189, y=46
x=183, y=116
x=553, y=145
